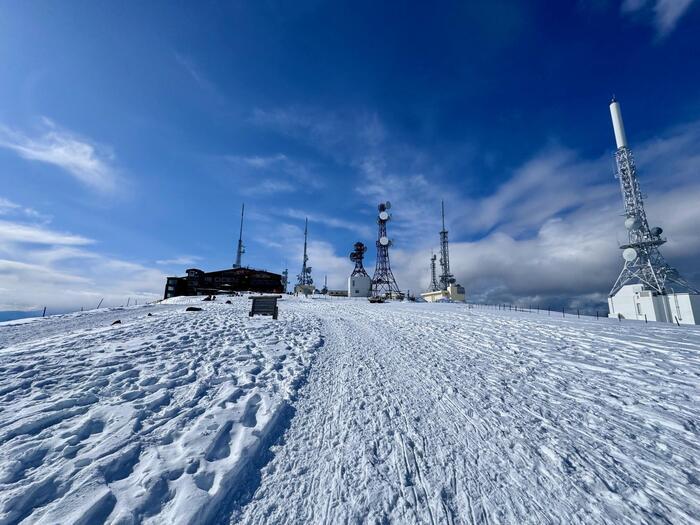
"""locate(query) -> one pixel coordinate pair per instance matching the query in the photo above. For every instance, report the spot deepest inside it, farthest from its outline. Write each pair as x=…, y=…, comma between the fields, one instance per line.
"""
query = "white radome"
x=629, y=254
x=384, y=216
x=384, y=241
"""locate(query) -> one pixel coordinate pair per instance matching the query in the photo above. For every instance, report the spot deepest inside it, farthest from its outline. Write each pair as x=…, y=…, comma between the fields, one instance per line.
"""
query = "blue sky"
x=130, y=133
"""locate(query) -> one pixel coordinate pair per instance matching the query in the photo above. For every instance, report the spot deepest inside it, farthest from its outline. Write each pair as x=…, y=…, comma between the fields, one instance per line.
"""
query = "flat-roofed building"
x=198, y=282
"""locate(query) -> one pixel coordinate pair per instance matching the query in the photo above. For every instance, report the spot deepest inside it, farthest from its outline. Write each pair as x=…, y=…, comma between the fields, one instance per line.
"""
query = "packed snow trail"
x=397, y=412
x=443, y=414
x=157, y=419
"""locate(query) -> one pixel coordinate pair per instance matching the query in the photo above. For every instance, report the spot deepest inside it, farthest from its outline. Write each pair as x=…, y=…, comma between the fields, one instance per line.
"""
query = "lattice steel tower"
x=446, y=278
x=240, y=250
x=356, y=256
x=644, y=263
x=383, y=282
x=304, y=278
x=434, y=286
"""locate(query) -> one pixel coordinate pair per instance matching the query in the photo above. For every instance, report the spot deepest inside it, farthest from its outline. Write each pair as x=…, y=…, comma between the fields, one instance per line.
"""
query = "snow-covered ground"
x=342, y=411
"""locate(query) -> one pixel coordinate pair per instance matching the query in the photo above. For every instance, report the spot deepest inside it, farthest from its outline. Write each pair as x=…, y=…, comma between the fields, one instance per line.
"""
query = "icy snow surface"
x=342, y=411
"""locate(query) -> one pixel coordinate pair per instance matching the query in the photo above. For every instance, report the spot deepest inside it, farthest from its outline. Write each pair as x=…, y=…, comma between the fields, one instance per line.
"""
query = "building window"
x=639, y=309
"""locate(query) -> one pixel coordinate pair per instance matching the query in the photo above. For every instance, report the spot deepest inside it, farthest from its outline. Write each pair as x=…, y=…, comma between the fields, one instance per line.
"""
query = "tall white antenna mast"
x=643, y=261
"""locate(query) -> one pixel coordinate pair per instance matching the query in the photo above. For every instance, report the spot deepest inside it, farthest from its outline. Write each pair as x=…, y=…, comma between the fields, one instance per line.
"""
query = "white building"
x=359, y=285
x=455, y=292
x=633, y=301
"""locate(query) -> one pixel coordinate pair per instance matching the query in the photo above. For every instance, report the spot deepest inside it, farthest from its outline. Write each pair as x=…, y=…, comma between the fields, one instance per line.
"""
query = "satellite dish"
x=384, y=216
x=656, y=231
x=388, y=205
x=384, y=241
x=629, y=254
x=632, y=223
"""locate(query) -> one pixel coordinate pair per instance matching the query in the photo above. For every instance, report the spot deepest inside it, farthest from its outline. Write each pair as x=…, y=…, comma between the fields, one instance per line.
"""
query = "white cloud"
x=37, y=234
x=278, y=173
x=83, y=159
x=7, y=207
x=40, y=266
x=333, y=222
x=664, y=13
x=182, y=260
x=574, y=213
x=549, y=234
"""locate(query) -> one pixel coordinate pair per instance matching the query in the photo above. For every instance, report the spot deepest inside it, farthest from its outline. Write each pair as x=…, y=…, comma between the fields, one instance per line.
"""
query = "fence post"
x=44, y=312
x=562, y=313
x=645, y=318
x=578, y=314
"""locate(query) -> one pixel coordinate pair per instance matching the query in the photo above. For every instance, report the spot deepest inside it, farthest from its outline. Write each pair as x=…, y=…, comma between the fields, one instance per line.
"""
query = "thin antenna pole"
x=240, y=250
x=304, y=278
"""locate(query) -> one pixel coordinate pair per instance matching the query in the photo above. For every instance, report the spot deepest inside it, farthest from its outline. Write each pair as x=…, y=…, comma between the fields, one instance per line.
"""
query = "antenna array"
x=383, y=282
x=356, y=256
x=643, y=260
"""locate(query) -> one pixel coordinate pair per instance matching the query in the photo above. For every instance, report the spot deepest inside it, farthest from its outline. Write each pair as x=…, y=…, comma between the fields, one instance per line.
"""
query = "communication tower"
x=383, y=283
x=434, y=286
x=444, y=288
x=305, y=284
x=240, y=250
x=359, y=282
x=647, y=286
x=356, y=256
x=446, y=278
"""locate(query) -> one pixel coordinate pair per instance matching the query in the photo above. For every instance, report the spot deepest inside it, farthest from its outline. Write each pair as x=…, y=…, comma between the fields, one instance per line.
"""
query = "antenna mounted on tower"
x=357, y=256
x=383, y=282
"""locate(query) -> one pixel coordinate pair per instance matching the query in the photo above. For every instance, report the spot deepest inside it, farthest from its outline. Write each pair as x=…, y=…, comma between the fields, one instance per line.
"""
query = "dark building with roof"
x=198, y=282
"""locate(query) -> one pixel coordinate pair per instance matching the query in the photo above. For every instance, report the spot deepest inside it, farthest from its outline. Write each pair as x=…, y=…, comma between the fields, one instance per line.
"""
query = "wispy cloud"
x=182, y=260
x=195, y=72
x=38, y=234
x=7, y=207
x=41, y=266
x=333, y=222
x=664, y=14
x=335, y=133
x=85, y=160
x=277, y=173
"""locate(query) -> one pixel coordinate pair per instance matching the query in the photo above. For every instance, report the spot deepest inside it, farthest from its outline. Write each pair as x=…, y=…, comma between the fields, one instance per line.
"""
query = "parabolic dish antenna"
x=384, y=216
x=388, y=205
x=629, y=254
x=384, y=241
x=632, y=223
x=656, y=231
